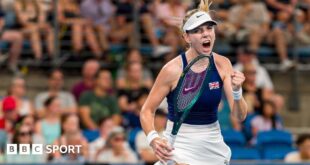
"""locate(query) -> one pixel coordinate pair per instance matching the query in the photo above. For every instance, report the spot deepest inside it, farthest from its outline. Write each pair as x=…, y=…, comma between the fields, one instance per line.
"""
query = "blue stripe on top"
x=205, y=109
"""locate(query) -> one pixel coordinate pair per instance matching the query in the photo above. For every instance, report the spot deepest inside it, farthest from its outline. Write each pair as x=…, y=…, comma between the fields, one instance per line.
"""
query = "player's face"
x=202, y=38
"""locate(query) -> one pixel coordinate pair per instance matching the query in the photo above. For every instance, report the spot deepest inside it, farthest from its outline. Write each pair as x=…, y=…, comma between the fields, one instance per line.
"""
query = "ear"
x=186, y=38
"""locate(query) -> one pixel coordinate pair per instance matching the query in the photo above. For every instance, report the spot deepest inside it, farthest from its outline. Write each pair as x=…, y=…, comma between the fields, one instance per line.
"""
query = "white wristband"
x=151, y=136
x=237, y=94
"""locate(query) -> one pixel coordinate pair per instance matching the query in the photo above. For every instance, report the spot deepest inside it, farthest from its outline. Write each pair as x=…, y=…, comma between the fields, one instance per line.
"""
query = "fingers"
x=237, y=78
x=162, y=150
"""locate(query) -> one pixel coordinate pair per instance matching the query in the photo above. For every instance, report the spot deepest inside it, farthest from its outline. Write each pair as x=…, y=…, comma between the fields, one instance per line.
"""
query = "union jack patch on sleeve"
x=214, y=85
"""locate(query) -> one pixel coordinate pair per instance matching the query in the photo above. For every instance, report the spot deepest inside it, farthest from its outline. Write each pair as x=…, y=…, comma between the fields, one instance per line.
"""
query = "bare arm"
x=161, y=88
x=233, y=81
x=85, y=118
x=159, y=91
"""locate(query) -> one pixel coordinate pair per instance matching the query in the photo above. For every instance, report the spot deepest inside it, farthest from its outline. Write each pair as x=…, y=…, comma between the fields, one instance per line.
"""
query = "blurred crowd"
x=97, y=25
x=101, y=112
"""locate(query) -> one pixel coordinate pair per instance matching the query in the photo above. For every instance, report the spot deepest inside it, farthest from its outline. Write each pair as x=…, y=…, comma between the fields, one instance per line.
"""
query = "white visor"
x=196, y=20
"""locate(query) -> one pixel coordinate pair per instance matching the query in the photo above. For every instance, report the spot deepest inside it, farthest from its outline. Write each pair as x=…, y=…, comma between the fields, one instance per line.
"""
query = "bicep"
x=159, y=91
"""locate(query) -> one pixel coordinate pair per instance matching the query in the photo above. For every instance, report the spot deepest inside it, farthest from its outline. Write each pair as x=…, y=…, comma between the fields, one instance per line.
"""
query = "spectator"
x=134, y=78
x=15, y=38
x=49, y=127
x=254, y=95
x=71, y=135
x=9, y=116
x=32, y=19
x=133, y=56
x=115, y=149
x=246, y=56
x=90, y=68
x=18, y=91
x=302, y=155
x=100, y=13
x=55, y=84
x=98, y=103
x=106, y=125
x=23, y=135
x=144, y=150
x=30, y=121
x=266, y=121
x=252, y=21
x=69, y=14
x=166, y=13
x=275, y=6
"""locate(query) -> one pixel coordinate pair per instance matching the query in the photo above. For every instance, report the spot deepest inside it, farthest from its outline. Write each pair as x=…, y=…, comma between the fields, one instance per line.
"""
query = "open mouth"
x=206, y=44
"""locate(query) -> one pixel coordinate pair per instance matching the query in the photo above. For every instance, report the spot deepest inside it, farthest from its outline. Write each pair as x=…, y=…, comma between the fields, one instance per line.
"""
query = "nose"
x=205, y=32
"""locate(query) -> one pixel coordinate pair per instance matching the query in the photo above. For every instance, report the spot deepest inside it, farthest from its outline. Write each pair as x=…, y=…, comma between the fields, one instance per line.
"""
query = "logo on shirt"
x=214, y=85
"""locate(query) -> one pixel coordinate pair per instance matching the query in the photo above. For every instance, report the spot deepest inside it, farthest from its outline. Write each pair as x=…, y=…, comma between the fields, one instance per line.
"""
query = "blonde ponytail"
x=204, y=5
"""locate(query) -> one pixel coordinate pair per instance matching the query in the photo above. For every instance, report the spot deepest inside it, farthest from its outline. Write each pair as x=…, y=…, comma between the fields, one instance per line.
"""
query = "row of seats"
x=271, y=145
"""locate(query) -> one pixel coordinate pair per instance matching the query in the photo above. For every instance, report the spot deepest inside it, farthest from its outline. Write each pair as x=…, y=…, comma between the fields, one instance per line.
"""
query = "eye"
x=209, y=27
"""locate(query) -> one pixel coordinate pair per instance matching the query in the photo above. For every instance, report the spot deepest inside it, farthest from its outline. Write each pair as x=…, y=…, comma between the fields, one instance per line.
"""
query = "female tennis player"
x=199, y=140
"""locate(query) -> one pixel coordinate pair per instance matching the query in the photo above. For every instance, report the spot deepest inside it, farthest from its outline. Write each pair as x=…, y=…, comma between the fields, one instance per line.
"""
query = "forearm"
x=147, y=120
x=239, y=110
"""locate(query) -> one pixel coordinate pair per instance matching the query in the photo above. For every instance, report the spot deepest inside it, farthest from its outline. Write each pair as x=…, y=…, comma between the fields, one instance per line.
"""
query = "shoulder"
x=292, y=157
x=172, y=69
x=222, y=60
x=222, y=64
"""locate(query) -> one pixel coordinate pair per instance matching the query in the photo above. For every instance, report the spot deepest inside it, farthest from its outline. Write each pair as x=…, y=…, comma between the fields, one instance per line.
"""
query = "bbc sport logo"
x=39, y=149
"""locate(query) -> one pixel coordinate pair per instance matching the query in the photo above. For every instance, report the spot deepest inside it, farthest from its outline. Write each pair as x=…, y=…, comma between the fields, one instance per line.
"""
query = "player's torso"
x=205, y=109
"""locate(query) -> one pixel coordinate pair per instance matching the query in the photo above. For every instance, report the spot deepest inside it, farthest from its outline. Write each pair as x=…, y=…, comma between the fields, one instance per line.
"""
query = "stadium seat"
x=274, y=138
x=132, y=137
x=233, y=138
x=240, y=153
x=276, y=153
x=91, y=135
x=274, y=144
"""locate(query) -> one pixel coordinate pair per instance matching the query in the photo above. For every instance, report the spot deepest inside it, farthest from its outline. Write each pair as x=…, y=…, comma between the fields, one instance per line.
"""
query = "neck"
x=116, y=151
x=192, y=53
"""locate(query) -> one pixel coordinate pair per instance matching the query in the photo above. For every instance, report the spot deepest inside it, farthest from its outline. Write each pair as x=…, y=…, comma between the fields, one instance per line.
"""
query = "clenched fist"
x=237, y=79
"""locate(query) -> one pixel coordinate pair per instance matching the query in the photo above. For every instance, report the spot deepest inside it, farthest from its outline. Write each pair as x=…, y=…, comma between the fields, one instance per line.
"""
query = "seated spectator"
x=133, y=56
x=246, y=56
x=90, y=68
x=131, y=102
x=71, y=135
x=69, y=14
x=55, y=85
x=302, y=155
x=32, y=20
x=266, y=121
x=49, y=126
x=166, y=13
x=303, y=31
x=115, y=149
x=253, y=95
x=100, y=13
x=98, y=103
x=17, y=90
x=276, y=6
x=106, y=125
x=144, y=150
x=15, y=38
x=133, y=78
x=23, y=135
x=251, y=21
x=30, y=121
x=9, y=115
